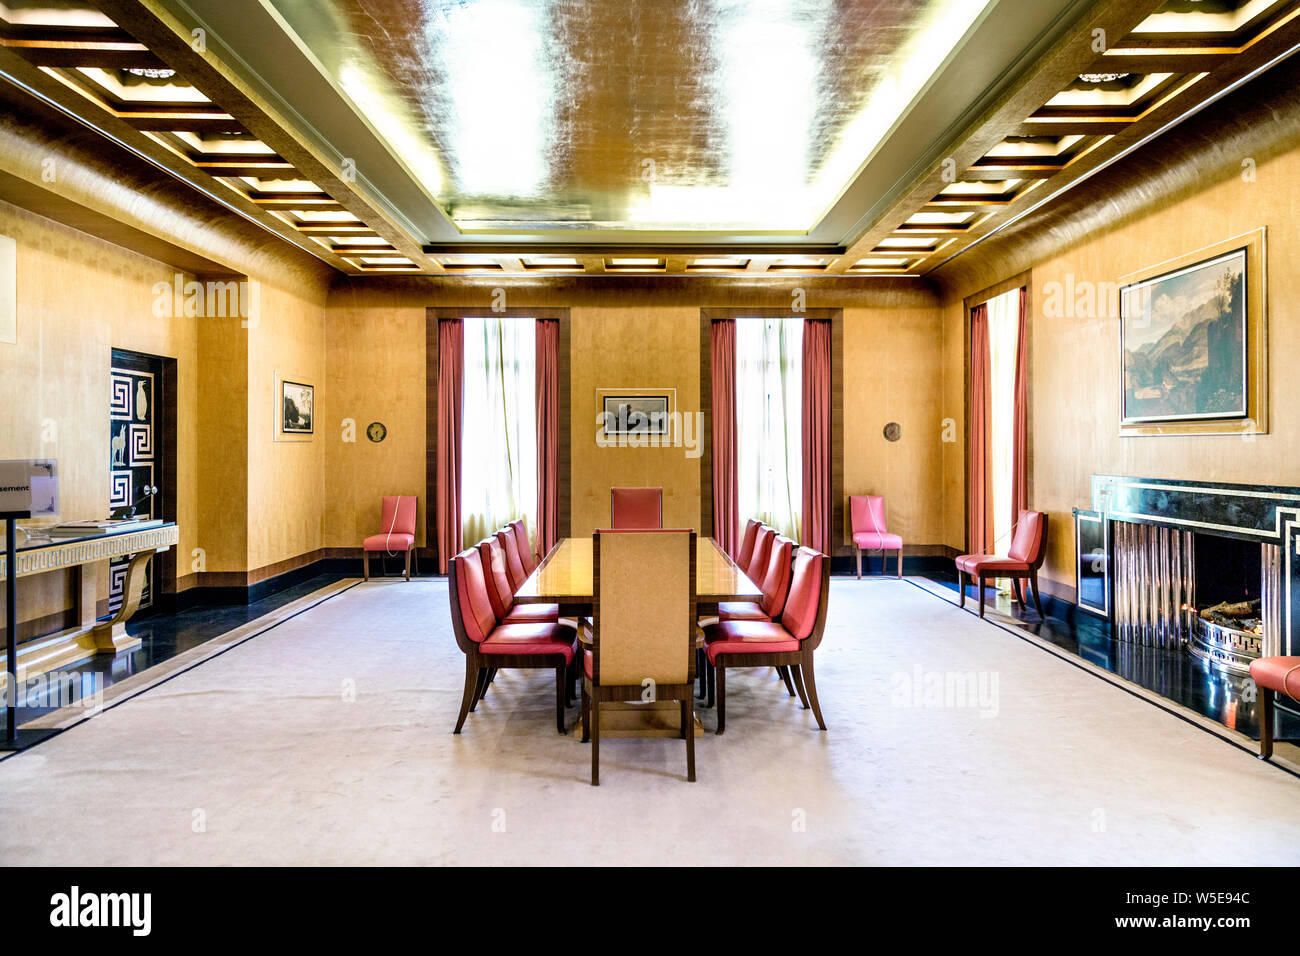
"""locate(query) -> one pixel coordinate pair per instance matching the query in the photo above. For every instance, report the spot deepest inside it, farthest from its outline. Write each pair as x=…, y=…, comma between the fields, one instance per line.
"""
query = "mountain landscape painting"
x=1183, y=343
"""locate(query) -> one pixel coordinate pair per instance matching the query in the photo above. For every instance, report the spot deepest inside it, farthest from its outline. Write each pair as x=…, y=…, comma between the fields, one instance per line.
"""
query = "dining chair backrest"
x=633, y=508
x=472, y=616
x=644, y=610
x=805, y=605
x=747, y=542
x=757, y=566
x=1027, y=543
x=493, y=558
x=868, y=513
x=514, y=563
x=525, y=549
x=776, y=582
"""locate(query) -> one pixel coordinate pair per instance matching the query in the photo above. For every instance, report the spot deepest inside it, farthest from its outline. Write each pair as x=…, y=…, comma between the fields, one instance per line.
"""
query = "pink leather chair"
x=1021, y=562
x=526, y=555
x=789, y=644
x=490, y=644
x=869, y=532
x=1271, y=675
x=633, y=509
x=514, y=560
x=502, y=595
x=747, y=542
x=774, y=584
x=757, y=566
x=398, y=523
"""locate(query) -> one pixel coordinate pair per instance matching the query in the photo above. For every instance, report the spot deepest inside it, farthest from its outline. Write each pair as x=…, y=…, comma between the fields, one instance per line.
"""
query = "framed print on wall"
x=639, y=413
x=295, y=413
x=1193, y=345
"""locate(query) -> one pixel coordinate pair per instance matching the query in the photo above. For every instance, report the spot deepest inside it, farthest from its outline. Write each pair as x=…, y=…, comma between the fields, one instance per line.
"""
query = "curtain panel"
x=726, y=516
x=1020, y=426
x=977, y=512
x=817, y=435
x=451, y=389
x=548, y=414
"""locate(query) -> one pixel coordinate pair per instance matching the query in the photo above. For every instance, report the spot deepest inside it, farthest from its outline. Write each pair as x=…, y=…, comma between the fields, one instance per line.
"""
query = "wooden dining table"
x=565, y=577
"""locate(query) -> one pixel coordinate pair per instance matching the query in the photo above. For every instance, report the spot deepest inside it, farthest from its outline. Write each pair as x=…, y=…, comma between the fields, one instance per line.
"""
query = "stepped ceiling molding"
x=579, y=137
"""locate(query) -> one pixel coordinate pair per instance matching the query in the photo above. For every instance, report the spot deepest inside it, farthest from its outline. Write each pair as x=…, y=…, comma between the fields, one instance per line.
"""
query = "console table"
x=82, y=556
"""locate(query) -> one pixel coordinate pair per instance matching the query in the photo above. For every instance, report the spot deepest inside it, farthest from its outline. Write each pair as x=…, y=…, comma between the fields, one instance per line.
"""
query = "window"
x=1004, y=342
x=769, y=416
x=499, y=437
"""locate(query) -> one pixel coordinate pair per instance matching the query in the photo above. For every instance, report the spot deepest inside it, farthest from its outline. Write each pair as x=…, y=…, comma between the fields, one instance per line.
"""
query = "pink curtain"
x=1020, y=426
x=451, y=391
x=725, y=491
x=817, y=435
x=548, y=414
x=977, y=513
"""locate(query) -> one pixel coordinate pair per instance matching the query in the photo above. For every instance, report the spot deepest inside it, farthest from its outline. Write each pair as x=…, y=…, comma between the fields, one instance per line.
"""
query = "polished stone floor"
x=1171, y=673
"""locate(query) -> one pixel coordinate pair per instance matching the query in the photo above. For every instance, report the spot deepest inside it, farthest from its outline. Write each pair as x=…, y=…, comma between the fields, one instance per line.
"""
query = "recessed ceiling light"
x=1103, y=77
x=150, y=73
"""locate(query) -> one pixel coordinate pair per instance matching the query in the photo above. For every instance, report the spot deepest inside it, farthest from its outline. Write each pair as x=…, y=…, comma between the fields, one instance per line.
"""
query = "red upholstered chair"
x=642, y=630
x=632, y=508
x=397, y=519
x=747, y=542
x=790, y=643
x=1021, y=562
x=526, y=555
x=490, y=644
x=1271, y=675
x=502, y=595
x=869, y=533
x=774, y=583
x=757, y=566
x=514, y=561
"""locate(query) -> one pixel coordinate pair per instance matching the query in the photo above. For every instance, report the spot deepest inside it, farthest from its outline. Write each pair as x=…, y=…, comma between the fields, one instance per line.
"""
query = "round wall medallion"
x=893, y=431
x=376, y=431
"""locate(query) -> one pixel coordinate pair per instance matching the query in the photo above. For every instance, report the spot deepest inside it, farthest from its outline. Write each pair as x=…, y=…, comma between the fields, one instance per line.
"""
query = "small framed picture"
x=296, y=404
x=645, y=415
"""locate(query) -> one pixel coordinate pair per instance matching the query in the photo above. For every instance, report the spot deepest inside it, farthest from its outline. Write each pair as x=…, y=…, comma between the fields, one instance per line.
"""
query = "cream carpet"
x=327, y=740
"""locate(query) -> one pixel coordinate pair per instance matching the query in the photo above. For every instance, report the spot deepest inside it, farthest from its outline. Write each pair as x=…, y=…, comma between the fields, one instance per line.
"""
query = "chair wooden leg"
x=810, y=684
x=1015, y=591
x=593, y=704
x=1038, y=604
x=365, y=565
x=785, y=676
x=561, y=693
x=471, y=687
x=586, y=706
x=979, y=583
x=798, y=685
x=415, y=560
x=480, y=687
x=857, y=553
x=900, y=564
x=961, y=589
x=688, y=724
x=702, y=669
x=1265, y=723
x=408, y=564
x=720, y=672
x=713, y=682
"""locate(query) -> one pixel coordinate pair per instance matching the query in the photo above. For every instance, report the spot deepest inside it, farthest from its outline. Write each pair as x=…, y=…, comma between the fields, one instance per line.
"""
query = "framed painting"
x=296, y=408
x=1193, y=345
x=1183, y=343
x=644, y=415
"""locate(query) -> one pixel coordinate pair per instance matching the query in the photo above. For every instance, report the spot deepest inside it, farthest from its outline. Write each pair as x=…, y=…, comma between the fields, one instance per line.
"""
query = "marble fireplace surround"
x=1266, y=514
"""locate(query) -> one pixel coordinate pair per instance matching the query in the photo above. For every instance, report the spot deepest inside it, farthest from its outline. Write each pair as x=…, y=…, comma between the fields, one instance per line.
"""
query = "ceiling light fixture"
x=1103, y=77
x=150, y=73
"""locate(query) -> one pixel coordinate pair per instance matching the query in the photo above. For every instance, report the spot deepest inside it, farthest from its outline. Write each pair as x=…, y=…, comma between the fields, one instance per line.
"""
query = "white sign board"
x=29, y=487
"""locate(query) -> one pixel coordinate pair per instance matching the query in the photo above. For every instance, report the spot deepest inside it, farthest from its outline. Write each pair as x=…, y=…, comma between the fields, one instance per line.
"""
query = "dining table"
x=565, y=577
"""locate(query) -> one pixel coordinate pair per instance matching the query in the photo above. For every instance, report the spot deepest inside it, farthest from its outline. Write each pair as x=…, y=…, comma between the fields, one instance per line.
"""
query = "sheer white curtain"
x=769, y=422
x=498, y=467
x=1004, y=334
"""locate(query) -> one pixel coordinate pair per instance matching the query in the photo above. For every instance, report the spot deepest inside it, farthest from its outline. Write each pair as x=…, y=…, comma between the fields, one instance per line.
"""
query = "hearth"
x=1228, y=614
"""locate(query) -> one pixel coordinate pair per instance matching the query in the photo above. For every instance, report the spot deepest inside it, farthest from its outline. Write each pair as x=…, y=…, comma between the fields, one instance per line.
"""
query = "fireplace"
x=1203, y=571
